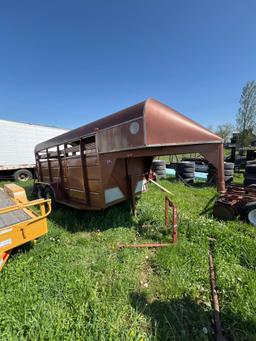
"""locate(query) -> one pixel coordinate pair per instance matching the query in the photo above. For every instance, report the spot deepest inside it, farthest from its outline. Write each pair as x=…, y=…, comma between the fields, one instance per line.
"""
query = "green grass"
x=75, y=284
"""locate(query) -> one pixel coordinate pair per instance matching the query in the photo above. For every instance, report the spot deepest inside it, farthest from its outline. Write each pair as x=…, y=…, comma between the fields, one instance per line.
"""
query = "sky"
x=67, y=63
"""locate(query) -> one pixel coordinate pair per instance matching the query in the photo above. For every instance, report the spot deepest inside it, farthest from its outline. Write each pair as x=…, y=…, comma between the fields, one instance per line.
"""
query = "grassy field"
x=75, y=284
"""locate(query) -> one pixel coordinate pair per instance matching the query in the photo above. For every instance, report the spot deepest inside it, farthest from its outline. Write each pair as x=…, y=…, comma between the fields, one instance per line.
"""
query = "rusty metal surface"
x=166, y=126
x=236, y=197
x=93, y=165
x=163, y=125
x=168, y=205
x=122, y=116
x=215, y=298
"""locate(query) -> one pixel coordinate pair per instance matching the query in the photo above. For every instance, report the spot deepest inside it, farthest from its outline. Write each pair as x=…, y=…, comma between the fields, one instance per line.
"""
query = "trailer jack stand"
x=168, y=205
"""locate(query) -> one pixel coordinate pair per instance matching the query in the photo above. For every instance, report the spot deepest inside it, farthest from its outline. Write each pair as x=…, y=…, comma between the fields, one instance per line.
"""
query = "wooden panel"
x=76, y=194
x=93, y=172
x=45, y=172
x=95, y=186
x=95, y=199
x=56, y=180
x=92, y=160
x=54, y=163
x=55, y=172
x=74, y=161
x=44, y=164
x=46, y=179
x=75, y=178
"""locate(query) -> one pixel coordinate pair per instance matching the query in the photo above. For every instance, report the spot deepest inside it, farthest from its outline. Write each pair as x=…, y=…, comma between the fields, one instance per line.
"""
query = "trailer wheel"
x=23, y=175
x=38, y=191
x=49, y=194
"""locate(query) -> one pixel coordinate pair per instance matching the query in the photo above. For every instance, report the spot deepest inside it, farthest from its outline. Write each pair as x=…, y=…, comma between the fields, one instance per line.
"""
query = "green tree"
x=246, y=116
x=224, y=131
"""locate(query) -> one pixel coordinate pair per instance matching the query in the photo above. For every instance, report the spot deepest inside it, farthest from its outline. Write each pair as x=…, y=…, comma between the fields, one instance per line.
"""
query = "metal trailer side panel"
x=18, y=140
x=123, y=144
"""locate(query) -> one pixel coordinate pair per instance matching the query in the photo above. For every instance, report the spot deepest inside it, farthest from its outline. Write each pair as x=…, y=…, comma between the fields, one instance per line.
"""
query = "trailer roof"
x=181, y=129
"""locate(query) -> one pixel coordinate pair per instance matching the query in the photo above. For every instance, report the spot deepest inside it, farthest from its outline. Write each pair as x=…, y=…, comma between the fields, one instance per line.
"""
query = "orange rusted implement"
x=168, y=204
x=19, y=224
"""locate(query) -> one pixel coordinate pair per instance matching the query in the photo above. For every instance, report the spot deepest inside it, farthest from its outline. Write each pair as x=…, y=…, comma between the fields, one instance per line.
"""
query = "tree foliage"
x=246, y=116
x=224, y=131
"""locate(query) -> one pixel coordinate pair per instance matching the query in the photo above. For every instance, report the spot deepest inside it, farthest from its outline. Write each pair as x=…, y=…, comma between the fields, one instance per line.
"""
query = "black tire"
x=156, y=168
x=246, y=210
x=38, y=191
x=228, y=172
x=201, y=169
x=186, y=164
x=186, y=170
x=189, y=181
x=224, y=212
x=158, y=163
x=161, y=173
x=171, y=165
x=228, y=179
x=250, y=177
x=210, y=180
x=253, y=186
x=250, y=162
x=250, y=169
x=187, y=175
x=49, y=194
x=23, y=175
x=248, y=182
x=229, y=165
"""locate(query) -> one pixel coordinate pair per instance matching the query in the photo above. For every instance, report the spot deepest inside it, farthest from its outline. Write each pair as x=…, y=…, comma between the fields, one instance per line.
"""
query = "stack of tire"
x=159, y=167
x=228, y=173
x=250, y=175
x=185, y=170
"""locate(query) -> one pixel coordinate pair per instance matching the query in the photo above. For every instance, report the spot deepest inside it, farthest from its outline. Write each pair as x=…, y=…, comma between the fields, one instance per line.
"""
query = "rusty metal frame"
x=214, y=293
x=49, y=165
x=84, y=172
x=40, y=166
x=168, y=205
x=113, y=140
x=237, y=196
x=61, y=172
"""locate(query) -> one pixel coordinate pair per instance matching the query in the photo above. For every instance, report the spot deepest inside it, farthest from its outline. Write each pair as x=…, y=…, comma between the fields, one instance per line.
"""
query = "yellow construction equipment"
x=19, y=224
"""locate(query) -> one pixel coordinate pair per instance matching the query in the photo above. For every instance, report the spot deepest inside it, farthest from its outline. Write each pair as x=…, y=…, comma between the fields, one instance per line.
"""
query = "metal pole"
x=220, y=174
x=215, y=300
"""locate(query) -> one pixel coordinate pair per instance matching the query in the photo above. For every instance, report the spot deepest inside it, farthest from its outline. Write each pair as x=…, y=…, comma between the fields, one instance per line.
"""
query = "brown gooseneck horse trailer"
x=105, y=162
